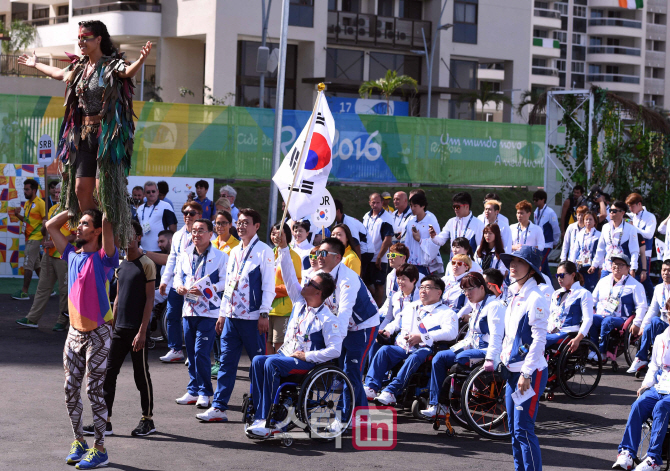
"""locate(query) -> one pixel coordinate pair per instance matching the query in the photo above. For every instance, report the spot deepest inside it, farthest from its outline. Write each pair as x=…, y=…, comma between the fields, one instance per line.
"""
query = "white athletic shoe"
x=335, y=426
x=648, y=465
x=172, y=356
x=430, y=412
x=370, y=394
x=187, y=399
x=624, y=460
x=385, y=398
x=592, y=356
x=637, y=365
x=213, y=415
x=203, y=402
x=259, y=429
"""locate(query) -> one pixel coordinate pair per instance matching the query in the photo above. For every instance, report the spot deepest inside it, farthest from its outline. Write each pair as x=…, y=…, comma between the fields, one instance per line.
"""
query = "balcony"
x=148, y=6
x=54, y=20
x=628, y=51
x=550, y=19
x=138, y=19
x=615, y=22
x=377, y=31
x=613, y=78
x=656, y=32
x=615, y=27
x=614, y=55
x=654, y=59
x=545, y=47
x=545, y=76
x=654, y=86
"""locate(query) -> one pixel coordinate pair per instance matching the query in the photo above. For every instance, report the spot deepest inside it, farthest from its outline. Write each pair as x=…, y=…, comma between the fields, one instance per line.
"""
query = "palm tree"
x=529, y=97
x=485, y=95
x=386, y=86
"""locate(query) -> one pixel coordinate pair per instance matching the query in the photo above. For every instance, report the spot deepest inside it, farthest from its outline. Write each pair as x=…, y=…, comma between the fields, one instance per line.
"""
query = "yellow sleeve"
x=297, y=264
x=353, y=262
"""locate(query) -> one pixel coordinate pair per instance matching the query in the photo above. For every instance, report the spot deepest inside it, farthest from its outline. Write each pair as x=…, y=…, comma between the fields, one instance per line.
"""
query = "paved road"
x=35, y=433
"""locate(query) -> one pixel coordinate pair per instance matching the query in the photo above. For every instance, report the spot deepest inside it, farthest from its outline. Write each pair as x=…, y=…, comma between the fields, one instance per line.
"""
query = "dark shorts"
x=375, y=276
x=366, y=259
x=86, y=163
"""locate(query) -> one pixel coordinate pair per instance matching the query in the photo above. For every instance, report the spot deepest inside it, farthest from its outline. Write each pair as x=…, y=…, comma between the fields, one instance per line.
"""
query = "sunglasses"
x=221, y=224
x=392, y=255
x=614, y=210
x=456, y=206
x=560, y=276
x=189, y=213
x=325, y=253
x=312, y=256
x=457, y=264
x=313, y=285
x=151, y=192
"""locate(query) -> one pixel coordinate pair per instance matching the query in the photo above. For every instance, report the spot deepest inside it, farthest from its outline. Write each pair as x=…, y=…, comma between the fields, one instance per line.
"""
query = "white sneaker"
x=213, y=415
x=648, y=465
x=259, y=429
x=624, y=461
x=172, y=356
x=187, y=399
x=592, y=356
x=203, y=402
x=335, y=426
x=385, y=398
x=637, y=365
x=430, y=412
x=370, y=394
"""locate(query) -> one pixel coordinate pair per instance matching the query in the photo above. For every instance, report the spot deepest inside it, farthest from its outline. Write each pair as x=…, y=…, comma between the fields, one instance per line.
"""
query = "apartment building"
x=205, y=50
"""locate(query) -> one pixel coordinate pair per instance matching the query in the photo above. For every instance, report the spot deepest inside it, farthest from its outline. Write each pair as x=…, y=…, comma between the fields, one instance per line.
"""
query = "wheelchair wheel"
x=644, y=442
x=164, y=329
x=483, y=404
x=455, y=410
x=419, y=404
x=463, y=331
x=321, y=396
x=247, y=410
x=631, y=346
x=577, y=376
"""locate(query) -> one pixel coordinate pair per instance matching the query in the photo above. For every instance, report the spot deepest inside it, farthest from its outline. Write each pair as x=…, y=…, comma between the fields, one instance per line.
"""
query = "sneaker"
x=94, y=459
x=258, y=429
x=172, y=356
x=335, y=426
x=430, y=413
x=145, y=427
x=624, y=460
x=370, y=393
x=21, y=296
x=186, y=363
x=203, y=402
x=215, y=370
x=77, y=452
x=213, y=415
x=648, y=465
x=58, y=327
x=26, y=323
x=187, y=399
x=385, y=398
x=637, y=365
x=592, y=356
x=90, y=429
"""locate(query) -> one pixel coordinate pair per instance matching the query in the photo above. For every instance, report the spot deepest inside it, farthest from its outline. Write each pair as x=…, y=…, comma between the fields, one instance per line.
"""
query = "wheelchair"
x=309, y=402
x=644, y=446
x=475, y=401
x=622, y=341
x=573, y=373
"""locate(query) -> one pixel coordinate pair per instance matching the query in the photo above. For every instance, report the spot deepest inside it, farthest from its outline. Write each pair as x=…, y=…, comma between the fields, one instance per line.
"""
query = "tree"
x=485, y=95
x=21, y=36
x=386, y=86
x=529, y=97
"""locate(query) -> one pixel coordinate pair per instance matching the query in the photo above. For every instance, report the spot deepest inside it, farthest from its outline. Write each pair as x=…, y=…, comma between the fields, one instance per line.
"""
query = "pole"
x=432, y=54
x=279, y=111
x=308, y=139
x=264, y=34
x=46, y=189
x=589, y=156
x=142, y=85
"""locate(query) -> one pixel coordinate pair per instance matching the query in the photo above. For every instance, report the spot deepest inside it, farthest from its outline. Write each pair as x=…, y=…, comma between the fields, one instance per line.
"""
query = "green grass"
x=12, y=285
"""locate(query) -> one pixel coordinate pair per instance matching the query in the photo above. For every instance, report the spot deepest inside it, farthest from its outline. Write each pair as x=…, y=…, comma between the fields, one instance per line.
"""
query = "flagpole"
x=321, y=88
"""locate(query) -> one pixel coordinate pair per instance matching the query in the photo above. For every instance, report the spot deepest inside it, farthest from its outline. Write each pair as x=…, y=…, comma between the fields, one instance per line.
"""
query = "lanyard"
x=151, y=213
x=640, y=221
x=197, y=260
x=374, y=220
x=305, y=336
x=474, y=324
x=518, y=234
x=620, y=291
x=246, y=257
x=402, y=300
x=587, y=244
x=538, y=214
x=466, y=227
x=620, y=238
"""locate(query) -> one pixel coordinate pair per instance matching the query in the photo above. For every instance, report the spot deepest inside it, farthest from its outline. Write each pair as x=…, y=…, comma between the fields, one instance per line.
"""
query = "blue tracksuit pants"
x=654, y=405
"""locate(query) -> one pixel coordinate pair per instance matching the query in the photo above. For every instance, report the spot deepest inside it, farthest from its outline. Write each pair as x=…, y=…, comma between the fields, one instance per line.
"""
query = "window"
x=301, y=13
x=561, y=79
x=658, y=73
x=3, y=20
x=538, y=62
x=493, y=86
x=577, y=81
x=579, y=11
x=351, y=6
x=577, y=39
x=63, y=10
x=332, y=5
x=577, y=67
x=595, y=41
x=659, y=46
x=597, y=14
x=540, y=33
x=612, y=41
x=564, y=51
x=463, y=75
x=612, y=69
x=385, y=7
x=579, y=2
x=465, y=21
x=560, y=65
x=561, y=36
x=594, y=69
x=344, y=63
x=562, y=7
x=411, y=9
x=579, y=53
x=564, y=23
x=40, y=12
x=492, y=66
x=579, y=25
x=404, y=65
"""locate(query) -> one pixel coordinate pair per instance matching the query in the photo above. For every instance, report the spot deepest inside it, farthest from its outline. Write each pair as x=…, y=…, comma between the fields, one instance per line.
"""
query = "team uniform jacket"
x=378, y=227
x=629, y=292
x=469, y=227
x=495, y=263
x=532, y=235
x=400, y=223
x=645, y=223
x=525, y=326
x=659, y=359
x=314, y=331
x=453, y=298
x=392, y=284
x=658, y=300
x=546, y=219
x=256, y=285
x=180, y=241
x=420, y=253
x=486, y=328
x=586, y=244
x=435, y=323
x=358, y=232
x=395, y=304
x=612, y=240
x=570, y=242
x=574, y=312
x=213, y=264
x=505, y=231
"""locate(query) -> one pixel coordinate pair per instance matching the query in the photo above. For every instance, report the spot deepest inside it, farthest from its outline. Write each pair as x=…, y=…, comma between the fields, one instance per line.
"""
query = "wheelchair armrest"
x=443, y=345
x=381, y=340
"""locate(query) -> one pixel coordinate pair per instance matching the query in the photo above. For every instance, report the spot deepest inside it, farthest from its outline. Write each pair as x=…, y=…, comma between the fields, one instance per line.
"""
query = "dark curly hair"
x=98, y=28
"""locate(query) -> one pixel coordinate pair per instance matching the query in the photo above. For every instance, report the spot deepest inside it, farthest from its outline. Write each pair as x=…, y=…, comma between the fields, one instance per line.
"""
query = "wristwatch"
x=264, y=315
x=525, y=376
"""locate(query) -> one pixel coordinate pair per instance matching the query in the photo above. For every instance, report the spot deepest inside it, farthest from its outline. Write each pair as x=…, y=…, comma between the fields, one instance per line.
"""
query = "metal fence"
x=9, y=65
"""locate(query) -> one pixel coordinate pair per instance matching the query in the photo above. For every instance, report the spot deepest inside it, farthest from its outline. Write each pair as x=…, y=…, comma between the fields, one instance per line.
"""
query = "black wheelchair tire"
x=631, y=345
x=497, y=428
x=568, y=362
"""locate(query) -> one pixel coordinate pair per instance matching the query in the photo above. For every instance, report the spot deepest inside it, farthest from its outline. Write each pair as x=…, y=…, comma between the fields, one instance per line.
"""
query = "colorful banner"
x=236, y=143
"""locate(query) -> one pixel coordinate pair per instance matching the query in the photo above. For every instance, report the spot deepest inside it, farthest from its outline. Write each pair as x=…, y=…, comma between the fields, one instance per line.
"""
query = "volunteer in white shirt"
x=617, y=238
x=653, y=402
x=525, y=232
x=569, y=249
x=586, y=245
x=421, y=324
x=523, y=353
x=645, y=223
x=546, y=219
x=200, y=276
x=492, y=216
x=654, y=322
x=247, y=301
x=483, y=340
x=379, y=227
x=617, y=297
x=418, y=236
x=400, y=216
x=154, y=216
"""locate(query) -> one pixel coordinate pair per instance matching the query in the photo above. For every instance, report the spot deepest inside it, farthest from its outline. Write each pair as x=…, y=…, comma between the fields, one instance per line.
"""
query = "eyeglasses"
x=88, y=37
x=242, y=223
x=325, y=253
x=467, y=290
x=312, y=256
x=223, y=196
x=314, y=285
x=615, y=210
x=392, y=255
x=151, y=192
x=222, y=223
x=200, y=232
x=189, y=213
x=427, y=287
x=456, y=206
x=457, y=264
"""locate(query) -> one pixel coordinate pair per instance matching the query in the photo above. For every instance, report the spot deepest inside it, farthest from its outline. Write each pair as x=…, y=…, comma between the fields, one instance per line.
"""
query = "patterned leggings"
x=87, y=352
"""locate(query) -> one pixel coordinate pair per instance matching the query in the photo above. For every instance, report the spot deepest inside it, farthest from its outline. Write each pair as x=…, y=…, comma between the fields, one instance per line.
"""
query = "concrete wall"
x=181, y=63
x=12, y=85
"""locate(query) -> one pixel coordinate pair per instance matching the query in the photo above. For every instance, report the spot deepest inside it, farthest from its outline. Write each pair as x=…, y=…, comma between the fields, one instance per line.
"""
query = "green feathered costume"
x=115, y=141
